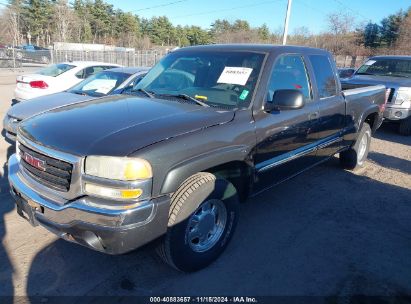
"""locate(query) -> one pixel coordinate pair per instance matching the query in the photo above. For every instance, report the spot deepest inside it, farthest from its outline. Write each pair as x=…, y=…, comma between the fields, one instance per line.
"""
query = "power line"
x=352, y=10
x=159, y=5
x=227, y=9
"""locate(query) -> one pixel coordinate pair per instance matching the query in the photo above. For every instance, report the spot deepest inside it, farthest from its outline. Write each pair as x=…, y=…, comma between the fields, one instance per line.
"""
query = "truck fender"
x=180, y=172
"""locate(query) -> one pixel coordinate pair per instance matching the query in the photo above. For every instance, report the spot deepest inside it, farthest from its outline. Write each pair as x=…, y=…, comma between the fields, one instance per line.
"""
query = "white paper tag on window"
x=370, y=62
x=235, y=75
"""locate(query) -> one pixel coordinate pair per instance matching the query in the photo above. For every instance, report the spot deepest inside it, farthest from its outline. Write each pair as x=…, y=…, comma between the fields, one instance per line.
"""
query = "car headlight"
x=403, y=95
x=118, y=168
x=130, y=172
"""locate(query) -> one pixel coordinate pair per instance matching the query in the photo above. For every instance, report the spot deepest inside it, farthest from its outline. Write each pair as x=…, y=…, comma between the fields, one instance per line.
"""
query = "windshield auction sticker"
x=235, y=75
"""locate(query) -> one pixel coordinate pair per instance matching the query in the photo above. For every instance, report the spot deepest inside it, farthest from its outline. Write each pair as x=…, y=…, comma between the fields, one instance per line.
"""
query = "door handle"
x=314, y=115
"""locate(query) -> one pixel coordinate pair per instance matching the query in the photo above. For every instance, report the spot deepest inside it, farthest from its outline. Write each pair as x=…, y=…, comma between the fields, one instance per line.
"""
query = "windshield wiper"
x=187, y=97
x=78, y=92
x=364, y=73
x=394, y=75
x=147, y=93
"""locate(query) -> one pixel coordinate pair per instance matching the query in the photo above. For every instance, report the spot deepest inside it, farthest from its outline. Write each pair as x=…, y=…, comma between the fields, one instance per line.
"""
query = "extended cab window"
x=289, y=72
x=324, y=76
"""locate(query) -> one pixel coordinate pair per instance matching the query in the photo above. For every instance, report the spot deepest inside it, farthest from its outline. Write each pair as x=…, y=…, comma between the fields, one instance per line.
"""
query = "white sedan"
x=56, y=78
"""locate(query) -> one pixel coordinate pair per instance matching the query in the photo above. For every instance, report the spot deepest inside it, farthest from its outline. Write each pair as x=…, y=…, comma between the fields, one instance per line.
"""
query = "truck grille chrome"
x=48, y=171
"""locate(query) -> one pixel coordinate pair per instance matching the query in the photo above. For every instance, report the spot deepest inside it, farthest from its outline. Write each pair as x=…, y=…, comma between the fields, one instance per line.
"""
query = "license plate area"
x=27, y=208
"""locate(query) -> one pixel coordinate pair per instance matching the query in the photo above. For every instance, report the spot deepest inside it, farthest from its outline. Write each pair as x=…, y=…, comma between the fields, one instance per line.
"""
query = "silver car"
x=107, y=82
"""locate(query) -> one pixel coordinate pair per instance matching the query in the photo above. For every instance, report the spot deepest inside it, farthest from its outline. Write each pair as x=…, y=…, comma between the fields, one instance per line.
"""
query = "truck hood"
x=389, y=82
x=41, y=104
x=117, y=125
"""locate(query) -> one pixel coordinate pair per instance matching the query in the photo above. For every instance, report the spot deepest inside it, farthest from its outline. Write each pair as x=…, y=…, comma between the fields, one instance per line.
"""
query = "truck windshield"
x=386, y=67
x=215, y=78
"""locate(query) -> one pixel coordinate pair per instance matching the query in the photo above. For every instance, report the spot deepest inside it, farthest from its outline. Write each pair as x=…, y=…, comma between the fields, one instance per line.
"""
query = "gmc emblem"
x=35, y=162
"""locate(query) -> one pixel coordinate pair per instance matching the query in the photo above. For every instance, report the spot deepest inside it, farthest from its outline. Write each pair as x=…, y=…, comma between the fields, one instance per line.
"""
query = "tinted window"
x=386, y=67
x=55, y=69
x=87, y=72
x=218, y=78
x=289, y=72
x=324, y=76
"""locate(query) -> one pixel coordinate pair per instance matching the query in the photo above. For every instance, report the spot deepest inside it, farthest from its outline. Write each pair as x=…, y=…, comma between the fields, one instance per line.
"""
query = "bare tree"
x=64, y=18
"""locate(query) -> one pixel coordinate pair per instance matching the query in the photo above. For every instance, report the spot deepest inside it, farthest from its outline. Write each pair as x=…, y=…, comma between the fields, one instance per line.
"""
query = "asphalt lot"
x=328, y=232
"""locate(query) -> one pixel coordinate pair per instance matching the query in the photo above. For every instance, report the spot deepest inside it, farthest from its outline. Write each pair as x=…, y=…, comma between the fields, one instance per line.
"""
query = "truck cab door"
x=285, y=138
x=332, y=107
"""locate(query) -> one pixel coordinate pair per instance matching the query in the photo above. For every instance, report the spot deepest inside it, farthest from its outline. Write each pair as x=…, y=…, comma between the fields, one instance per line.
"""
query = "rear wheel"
x=405, y=127
x=202, y=219
x=355, y=157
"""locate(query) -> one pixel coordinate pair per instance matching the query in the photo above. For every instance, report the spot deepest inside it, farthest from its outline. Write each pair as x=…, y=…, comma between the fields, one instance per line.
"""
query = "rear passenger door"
x=331, y=106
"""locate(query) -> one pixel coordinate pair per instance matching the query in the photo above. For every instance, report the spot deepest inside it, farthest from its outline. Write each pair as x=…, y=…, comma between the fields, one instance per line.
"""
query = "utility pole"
x=287, y=19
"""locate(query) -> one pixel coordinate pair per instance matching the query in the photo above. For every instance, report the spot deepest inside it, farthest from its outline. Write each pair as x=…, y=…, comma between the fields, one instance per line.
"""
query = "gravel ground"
x=328, y=232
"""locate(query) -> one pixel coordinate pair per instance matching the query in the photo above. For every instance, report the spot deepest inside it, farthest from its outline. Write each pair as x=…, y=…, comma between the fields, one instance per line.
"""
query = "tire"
x=196, y=234
x=19, y=55
x=355, y=157
x=405, y=127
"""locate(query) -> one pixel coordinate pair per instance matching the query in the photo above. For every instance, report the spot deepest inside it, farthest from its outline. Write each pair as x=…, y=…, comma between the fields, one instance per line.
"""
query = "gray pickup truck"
x=395, y=73
x=206, y=128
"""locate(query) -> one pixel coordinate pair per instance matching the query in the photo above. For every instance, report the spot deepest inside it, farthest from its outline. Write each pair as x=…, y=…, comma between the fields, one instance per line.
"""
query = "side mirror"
x=286, y=99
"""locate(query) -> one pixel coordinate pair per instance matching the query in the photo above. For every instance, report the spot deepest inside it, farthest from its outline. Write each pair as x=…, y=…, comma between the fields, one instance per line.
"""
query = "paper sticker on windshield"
x=235, y=75
x=370, y=62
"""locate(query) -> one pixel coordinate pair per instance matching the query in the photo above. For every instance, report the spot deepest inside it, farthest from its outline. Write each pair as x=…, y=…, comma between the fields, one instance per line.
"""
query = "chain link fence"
x=15, y=58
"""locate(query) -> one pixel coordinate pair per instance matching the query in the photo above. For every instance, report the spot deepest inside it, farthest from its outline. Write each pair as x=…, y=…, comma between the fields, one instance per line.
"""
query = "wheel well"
x=238, y=173
x=371, y=120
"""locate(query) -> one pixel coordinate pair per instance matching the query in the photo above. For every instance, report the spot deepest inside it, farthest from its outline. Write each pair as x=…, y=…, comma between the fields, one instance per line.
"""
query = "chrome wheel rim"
x=206, y=225
x=362, y=148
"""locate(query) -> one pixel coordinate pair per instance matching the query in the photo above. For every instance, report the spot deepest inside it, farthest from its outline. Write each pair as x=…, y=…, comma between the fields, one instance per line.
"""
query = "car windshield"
x=208, y=78
x=56, y=69
x=100, y=84
x=386, y=67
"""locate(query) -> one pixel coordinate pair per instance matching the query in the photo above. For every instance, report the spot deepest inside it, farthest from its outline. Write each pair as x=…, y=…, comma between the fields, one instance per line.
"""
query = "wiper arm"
x=147, y=93
x=188, y=97
x=79, y=92
x=395, y=75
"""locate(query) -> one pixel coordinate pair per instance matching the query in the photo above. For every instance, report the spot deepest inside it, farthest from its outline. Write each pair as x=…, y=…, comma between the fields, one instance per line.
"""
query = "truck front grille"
x=46, y=170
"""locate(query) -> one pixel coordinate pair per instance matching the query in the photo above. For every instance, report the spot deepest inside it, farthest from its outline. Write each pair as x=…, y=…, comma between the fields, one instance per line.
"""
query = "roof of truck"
x=266, y=48
x=391, y=57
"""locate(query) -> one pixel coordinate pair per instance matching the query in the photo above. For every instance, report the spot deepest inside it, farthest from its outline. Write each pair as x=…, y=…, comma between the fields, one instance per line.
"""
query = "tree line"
x=95, y=21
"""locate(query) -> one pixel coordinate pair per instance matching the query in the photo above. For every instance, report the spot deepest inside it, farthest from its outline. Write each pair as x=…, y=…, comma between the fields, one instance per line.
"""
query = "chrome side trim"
x=292, y=155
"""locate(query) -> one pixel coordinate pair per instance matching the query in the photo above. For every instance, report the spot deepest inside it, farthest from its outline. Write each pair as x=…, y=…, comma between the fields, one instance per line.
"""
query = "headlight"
x=403, y=95
x=118, y=178
x=118, y=168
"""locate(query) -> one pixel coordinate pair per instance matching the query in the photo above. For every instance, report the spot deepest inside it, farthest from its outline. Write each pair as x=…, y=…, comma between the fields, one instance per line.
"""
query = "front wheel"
x=202, y=219
x=354, y=158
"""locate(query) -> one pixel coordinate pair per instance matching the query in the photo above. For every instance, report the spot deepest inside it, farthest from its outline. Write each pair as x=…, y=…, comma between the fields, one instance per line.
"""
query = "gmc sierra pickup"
x=395, y=73
x=206, y=128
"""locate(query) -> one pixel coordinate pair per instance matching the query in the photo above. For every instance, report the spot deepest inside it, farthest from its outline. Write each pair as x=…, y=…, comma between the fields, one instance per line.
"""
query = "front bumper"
x=393, y=113
x=80, y=221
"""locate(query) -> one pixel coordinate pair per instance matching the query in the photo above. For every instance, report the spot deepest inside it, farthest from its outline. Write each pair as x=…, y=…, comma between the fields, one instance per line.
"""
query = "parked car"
x=107, y=82
x=56, y=78
x=345, y=72
x=33, y=53
x=395, y=73
x=174, y=160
